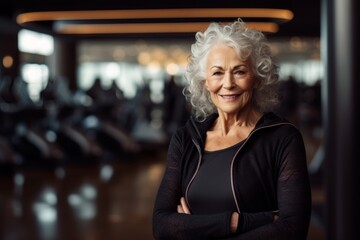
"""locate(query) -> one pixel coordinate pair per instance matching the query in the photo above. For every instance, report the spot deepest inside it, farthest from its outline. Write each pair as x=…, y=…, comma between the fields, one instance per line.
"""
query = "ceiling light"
x=133, y=28
x=281, y=14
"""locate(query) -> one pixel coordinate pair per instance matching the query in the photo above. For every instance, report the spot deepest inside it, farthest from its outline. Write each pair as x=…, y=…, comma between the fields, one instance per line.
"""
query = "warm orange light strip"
x=128, y=28
x=155, y=13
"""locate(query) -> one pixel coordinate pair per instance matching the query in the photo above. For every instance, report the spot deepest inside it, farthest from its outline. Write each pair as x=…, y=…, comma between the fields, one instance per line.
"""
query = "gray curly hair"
x=250, y=44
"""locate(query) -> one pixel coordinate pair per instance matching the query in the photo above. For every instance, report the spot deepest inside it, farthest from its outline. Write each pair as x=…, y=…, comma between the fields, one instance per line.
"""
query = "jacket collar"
x=198, y=129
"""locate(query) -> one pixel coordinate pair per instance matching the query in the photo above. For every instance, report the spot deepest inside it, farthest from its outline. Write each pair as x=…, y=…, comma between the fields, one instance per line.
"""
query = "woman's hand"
x=183, y=207
x=234, y=222
x=276, y=216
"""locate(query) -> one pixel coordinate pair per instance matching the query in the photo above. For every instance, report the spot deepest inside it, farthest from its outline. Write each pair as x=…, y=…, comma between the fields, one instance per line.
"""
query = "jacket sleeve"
x=167, y=223
x=250, y=221
x=293, y=194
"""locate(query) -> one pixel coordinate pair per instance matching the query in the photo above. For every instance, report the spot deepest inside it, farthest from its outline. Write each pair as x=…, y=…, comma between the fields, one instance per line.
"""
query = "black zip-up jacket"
x=268, y=174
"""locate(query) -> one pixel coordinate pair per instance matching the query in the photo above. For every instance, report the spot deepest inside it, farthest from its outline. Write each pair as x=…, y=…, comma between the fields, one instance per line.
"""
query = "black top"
x=210, y=192
x=269, y=173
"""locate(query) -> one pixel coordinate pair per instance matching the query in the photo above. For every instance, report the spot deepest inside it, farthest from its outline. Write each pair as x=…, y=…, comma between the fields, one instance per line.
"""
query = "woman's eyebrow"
x=235, y=67
x=240, y=65
x=215, y=66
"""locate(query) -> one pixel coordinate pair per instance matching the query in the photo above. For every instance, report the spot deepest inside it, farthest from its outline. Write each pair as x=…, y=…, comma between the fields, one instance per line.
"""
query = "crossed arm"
x=183, y=208
x=173, y=220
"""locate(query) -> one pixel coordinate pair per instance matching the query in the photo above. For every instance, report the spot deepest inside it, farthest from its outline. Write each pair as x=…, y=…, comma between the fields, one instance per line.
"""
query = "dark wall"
x=9, y=47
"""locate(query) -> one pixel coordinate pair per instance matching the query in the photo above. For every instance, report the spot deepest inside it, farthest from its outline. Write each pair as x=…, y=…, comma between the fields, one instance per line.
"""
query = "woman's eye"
x=217, y=73
x=239, y=72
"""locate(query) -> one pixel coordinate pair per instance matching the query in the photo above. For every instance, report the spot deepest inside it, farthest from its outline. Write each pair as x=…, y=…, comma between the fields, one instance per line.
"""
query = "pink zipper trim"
x=195, y=173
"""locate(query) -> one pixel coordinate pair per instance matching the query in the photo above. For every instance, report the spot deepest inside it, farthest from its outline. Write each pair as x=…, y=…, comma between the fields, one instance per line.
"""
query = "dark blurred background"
x=91, y=92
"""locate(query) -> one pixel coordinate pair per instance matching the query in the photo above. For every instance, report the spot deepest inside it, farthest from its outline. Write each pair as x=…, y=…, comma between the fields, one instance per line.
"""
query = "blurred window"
x=307, y=71
x=127, y=76
x=36, y=76
x=35, y=48
x=34, y=42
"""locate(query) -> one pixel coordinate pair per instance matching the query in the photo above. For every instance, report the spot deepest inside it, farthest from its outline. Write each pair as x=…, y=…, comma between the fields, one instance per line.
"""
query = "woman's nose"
x=228, y=81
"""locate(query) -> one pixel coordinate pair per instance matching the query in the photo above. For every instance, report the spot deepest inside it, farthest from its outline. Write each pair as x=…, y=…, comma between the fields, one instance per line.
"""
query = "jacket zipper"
x=195, y=173
x=237, y=152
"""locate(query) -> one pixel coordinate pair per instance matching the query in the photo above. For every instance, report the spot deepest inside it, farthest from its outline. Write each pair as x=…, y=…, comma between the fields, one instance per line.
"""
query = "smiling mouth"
x=229, y=96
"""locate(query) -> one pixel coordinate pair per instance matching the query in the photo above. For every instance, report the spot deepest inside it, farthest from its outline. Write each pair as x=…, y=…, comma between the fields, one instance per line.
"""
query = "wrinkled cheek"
x=213, y=89
x=246, y=97
x=213, y=96
x=212, y=86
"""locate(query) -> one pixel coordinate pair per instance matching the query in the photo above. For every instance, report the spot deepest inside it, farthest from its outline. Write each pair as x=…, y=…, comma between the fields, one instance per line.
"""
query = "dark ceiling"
x=306, y=21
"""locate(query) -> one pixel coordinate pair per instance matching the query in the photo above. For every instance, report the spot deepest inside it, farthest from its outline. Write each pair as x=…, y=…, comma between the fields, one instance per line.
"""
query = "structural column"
x=341, y=99
x=64, y=61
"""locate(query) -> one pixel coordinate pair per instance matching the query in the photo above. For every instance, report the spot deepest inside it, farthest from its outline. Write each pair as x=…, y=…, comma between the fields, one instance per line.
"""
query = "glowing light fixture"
x=128, y=28
x=8, y=61
x=281, y=14
x=82, y=22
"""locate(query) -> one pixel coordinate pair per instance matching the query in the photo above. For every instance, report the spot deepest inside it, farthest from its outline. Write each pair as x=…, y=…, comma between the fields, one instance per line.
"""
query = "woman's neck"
x=226, y=122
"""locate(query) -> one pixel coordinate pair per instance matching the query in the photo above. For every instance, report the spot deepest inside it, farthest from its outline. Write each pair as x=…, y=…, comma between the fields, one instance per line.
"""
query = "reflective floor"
x=110, y=200
x=107, y=200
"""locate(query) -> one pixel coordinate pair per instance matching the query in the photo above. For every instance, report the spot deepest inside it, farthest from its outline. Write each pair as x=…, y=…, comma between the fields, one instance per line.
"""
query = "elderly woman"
x=235, y=170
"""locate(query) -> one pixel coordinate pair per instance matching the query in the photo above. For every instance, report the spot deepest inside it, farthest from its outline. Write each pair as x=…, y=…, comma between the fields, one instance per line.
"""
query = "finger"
x=184, y=205
x=180, y=209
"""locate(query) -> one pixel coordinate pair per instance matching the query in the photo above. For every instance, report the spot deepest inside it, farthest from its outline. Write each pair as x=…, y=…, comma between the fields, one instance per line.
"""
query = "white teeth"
x=229, y=96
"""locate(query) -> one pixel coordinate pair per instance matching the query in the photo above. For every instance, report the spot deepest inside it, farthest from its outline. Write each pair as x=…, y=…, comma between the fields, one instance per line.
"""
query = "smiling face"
x=229, y=80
